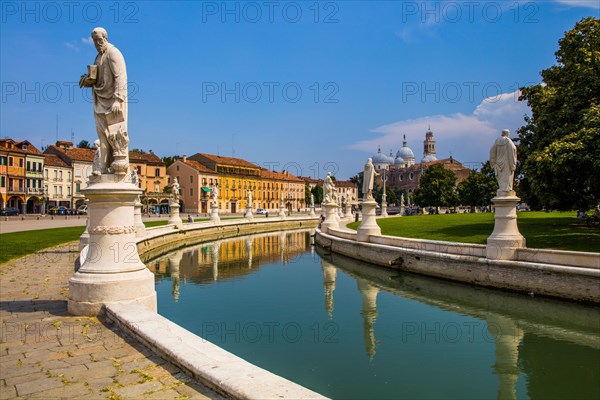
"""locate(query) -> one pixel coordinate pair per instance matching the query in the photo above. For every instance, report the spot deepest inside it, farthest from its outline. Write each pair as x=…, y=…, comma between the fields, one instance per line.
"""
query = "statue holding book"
x=107, y=78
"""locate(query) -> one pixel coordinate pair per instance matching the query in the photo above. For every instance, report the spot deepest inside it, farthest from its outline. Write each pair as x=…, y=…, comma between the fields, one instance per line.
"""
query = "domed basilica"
x=402, y=171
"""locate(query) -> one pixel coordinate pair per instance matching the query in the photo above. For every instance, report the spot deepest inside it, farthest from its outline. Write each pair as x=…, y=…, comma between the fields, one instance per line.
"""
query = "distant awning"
x=205, y=189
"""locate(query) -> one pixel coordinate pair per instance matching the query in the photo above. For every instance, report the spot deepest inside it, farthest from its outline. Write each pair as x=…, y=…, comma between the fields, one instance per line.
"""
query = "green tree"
x=84, y=144
x=317, y=191
x=559, y=146
x=168, y=160
x=436, y=188
x=479, y=188
x=307, y=194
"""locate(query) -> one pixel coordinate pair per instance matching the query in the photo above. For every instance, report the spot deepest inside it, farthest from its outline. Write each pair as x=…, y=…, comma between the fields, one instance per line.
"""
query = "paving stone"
x=138, y=390
x=11, y=371
x=7, y=392
x=38, y=385
x=195, y=391
x=15, y=380
x=78, y=390
x=100, y=383
x=70, y=373
x=77, y=360
x=163, y=394
x=140, y=364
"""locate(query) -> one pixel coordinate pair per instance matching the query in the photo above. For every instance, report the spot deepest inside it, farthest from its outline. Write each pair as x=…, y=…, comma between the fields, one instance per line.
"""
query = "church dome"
x=405, y=152
x=380, y=158
x=399, y=160
x=428, y=158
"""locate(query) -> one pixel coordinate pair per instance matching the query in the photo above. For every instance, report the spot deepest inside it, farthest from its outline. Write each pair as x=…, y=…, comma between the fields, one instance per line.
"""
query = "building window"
x=77, y=187
x=21, y=163
x=68, y=189
x=3, y=181
x=10, y=161
x=411, y=176
x=2, y=160
x=77, y=171
x=191, y=191
x=28, y=166
x=69, y=176
x=191, y=178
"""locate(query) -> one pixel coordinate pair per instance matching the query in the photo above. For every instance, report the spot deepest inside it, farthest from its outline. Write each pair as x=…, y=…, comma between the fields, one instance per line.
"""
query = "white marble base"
x=248, y=215
x=506, y=238
x=214, y=213
x=384, y=212
x=331, y=216
x=111, y=270
x=140, y=228
x=281, y=212
x=368, y=225
x=312, y=212
x=174, y=218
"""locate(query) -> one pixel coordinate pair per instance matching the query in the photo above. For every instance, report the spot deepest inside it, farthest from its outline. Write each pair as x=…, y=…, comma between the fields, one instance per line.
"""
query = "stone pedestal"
x=111, y=270
x=312, y=212
x=140, y=228
x=174, y=218
x=331, y=217
x=506, y=238
x=402, y=211
x=248, y=215
x=368, y=225
x=281, y=212
x=348, y=211
x=84, y=239
x=214, y=213
x=384, y=209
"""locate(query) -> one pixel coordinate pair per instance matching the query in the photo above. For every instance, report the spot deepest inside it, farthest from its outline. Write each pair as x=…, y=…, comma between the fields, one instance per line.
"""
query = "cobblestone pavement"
x=45, y=353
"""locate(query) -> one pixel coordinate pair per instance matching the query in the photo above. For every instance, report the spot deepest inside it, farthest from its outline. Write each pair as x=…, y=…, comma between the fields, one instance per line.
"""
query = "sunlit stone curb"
x=213, y=366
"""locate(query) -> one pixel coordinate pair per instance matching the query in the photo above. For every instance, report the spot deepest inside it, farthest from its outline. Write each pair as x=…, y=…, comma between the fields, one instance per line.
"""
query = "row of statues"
x=503, y=158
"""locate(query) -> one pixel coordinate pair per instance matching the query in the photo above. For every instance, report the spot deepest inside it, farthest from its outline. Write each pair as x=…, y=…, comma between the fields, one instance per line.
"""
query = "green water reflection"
x=350, y=330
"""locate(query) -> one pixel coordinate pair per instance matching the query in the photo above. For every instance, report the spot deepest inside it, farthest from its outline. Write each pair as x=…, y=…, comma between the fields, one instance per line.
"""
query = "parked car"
x=62, y=210
x=82, y=210
x=10, y=211
x=261, y=211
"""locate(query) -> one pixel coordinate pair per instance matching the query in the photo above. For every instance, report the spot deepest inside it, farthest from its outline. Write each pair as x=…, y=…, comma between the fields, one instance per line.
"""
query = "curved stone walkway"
x=46, y=353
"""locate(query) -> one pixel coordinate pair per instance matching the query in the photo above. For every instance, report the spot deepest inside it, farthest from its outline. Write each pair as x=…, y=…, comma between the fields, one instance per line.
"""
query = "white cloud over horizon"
x=87, y=40
x=595, y=4
x=467, y=137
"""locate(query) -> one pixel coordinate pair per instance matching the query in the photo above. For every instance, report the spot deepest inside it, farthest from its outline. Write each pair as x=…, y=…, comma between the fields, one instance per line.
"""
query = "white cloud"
x=71, y=46
x=467, y=137
x=87, y=41
x=580, y=3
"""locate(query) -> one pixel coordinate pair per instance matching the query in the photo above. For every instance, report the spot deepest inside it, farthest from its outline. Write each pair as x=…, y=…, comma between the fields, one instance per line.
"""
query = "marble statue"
x=108, y=79
x=134, y=176
x=175, y=189
x=96, y=164
x=503, y=158
x=312, y=200
x=368, y=180
x=249, y=198
x=215, y=193
x=402, y=200
x=329, y=190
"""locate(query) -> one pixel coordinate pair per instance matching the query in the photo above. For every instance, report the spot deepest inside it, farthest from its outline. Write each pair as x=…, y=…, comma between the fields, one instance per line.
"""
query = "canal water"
x=350, y=330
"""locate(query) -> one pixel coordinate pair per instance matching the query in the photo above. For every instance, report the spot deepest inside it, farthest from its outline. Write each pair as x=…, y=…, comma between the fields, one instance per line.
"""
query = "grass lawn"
x=19, y=244
x=555, y=230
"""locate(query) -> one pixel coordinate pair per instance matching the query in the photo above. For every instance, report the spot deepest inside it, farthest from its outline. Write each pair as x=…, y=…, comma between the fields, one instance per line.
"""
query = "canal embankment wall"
x=566, y=275
x=213, y=366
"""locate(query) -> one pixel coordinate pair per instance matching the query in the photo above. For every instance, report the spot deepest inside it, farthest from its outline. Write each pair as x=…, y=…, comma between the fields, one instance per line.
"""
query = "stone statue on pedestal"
x=503, y=158
x=175, y=190
x=215, y=193
x=329, y=195
x=249, y=198
x=368, y=180
x=108, y=79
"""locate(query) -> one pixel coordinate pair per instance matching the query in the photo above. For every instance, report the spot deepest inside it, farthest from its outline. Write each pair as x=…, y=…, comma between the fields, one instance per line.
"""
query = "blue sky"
x=308, y=86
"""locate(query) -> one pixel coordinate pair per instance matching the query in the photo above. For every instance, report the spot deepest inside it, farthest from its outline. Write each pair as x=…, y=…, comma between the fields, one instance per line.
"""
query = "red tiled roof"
x=349, y=184
x=145, y=157
x=265, y=173
x=8, y=144
x=54, y=161
x=75, y=154
x=238, y=162
x=197, y=166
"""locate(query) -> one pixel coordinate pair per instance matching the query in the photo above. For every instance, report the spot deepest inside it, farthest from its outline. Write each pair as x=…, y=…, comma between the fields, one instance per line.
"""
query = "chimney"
x=183, y=158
